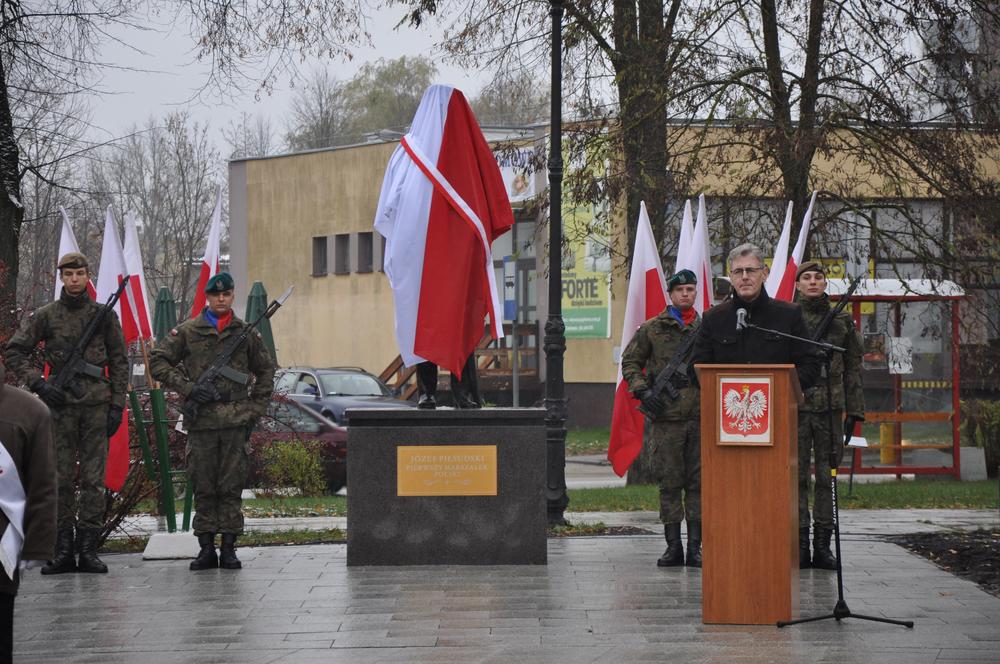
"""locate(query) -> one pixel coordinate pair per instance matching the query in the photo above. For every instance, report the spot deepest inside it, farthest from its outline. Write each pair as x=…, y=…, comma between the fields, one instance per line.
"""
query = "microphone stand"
x=841, y=610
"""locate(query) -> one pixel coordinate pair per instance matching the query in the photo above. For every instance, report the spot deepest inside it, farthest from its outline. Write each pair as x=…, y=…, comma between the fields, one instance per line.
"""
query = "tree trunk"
x=11, y=214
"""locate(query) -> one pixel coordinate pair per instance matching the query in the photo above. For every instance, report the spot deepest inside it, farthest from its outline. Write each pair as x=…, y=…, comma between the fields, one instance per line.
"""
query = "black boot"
x=465, y=388
x=64, y=560
x=823, y=558
x=427, y=382
x=207, y=557
x=804, y=548
x=674, y=555
x=87, y=543
x=694, y=544
x=227, y=553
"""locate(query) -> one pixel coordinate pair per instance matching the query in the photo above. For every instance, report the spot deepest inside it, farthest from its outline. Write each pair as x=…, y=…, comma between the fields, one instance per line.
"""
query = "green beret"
x=682, y=278
x=74, y=260
x=219, y=283
x=809, y=266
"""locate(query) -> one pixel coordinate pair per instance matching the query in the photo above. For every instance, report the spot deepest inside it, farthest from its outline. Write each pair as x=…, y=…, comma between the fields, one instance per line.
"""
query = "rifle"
x=220, y=365
x=677, y=363
x=824, y=325
x=75, y=364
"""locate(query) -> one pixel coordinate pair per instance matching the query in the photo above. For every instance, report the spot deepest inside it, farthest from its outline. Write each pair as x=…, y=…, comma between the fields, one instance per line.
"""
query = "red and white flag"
x=67, y=243
x=112, y=272
x=137, y=287
x=210, y=261
x=780, y=258
x=684, y=242
x=786, y=290
x=647, y=297
x=442, y=204
x=698, y=259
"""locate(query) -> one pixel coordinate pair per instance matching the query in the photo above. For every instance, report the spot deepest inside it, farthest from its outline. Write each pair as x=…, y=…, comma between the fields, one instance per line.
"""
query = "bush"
x=982, y=424
x=294, y=464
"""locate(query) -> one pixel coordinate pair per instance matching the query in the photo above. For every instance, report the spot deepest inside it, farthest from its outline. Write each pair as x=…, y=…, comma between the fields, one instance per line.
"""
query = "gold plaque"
x=446, y=470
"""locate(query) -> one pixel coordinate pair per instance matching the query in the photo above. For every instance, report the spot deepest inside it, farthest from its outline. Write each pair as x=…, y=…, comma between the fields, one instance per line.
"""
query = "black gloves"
x=650, y=403
x=52, y=396
x=849, y=423
x=114, y=419
x=202, y=394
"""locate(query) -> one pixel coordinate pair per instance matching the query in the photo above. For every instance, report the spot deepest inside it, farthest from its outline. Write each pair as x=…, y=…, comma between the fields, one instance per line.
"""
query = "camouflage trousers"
x=815, y=440
x=81, y=439
x=675, y=450
x=217, y=466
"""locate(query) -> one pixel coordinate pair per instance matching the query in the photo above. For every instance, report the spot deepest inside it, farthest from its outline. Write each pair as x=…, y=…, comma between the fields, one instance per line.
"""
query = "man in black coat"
x=720, y=342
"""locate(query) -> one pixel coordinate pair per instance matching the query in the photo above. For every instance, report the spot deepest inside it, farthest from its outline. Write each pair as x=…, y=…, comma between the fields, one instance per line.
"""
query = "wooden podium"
x=749, y=492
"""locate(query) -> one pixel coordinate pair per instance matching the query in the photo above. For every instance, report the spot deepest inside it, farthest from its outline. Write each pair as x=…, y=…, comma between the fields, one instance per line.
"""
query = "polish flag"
x=113, y=270
x=137, y=288
x=780, y=259
x=687, y=230
x=647, y=297
x=67, y=243
x=210, y=261
x=442, y=204
x=786, y=291
x=698, y=259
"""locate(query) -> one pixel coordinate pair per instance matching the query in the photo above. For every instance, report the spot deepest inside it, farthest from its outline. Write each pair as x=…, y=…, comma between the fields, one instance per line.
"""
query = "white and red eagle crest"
x=745, y=409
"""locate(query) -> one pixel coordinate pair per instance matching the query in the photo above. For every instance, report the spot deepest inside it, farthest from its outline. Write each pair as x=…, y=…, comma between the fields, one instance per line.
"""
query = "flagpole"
x=555, y=328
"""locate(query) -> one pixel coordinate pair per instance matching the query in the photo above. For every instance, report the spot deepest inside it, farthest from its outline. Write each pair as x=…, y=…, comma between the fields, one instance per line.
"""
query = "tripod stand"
x=841, y=610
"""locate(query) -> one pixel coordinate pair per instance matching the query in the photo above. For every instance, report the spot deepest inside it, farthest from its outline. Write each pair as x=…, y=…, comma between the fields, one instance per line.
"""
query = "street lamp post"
x=555, y=329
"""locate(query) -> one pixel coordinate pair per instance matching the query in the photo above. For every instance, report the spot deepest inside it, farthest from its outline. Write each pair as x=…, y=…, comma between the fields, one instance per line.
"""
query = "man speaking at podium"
x=724, y=339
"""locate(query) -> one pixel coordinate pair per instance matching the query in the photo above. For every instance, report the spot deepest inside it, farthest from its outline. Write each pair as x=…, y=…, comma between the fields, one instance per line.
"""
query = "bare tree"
x=317, y=117
x=249, y=137
x=511, y=100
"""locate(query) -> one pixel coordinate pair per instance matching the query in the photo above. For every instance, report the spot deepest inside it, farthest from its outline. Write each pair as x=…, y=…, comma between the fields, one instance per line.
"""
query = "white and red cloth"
x=780, y=257
x=698, y=258
x=786, y=289
x=136, y=290
x=210, y=261
x=442, y=204
x=647, y=297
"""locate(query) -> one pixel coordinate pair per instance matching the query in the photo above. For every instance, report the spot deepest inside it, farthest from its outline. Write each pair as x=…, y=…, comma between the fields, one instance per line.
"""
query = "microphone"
x=741, y=320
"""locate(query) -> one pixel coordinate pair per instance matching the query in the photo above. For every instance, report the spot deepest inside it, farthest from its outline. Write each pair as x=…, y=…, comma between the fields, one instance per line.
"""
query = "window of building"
x=365, y=253
x=319, y=266
x=381, y=253
x=342, y=254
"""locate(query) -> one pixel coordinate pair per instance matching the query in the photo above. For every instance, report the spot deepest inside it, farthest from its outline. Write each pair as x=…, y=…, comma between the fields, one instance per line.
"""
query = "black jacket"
x=720, y=343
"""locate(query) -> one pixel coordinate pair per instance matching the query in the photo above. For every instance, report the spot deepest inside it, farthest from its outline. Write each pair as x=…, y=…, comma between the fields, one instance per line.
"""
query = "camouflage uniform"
x=79, y=426
x=815, y=418
x=675, y=443
x=217, y=448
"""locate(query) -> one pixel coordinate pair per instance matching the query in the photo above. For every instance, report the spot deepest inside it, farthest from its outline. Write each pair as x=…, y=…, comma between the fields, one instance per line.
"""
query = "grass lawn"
x=295, y=506
x=888, y=495
x=587, y=441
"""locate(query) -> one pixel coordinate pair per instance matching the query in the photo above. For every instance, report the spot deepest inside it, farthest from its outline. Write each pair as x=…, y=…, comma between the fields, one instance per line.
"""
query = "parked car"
x=332, y=391
x=288, y=421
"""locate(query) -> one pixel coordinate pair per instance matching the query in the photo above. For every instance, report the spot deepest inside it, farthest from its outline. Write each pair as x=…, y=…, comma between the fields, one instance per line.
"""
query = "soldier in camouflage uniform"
x=816, y=419
x=217, y=448
x=675, y=441
x=81, y=425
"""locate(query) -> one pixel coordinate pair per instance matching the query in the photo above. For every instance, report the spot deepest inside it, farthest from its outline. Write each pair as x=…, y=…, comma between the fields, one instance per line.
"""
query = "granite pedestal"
x=446, y=487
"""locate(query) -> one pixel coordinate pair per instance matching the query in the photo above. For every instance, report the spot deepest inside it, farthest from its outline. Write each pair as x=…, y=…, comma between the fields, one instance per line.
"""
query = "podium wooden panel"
x=749, y=498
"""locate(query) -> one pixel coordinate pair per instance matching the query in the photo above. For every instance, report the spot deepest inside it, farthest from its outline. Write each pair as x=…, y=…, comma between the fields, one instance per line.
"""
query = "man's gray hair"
x=745, y=249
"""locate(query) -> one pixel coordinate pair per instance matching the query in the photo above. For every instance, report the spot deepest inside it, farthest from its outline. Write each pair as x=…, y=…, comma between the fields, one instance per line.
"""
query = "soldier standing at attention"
x=815, y=420
x=217, y=437
x=82, y=424
x=675, y=442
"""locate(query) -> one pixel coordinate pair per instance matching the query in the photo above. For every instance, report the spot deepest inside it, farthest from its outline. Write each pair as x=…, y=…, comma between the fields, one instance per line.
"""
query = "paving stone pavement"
x=599, y=599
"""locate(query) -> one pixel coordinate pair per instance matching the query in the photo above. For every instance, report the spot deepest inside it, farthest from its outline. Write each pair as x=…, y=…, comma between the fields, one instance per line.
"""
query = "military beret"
x=810, y=266
x=682, y=278
x=219, y=283
x=73, y=261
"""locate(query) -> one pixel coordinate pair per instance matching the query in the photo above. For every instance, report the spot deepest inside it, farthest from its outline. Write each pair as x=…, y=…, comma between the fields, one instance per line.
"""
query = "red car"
x=288, y=421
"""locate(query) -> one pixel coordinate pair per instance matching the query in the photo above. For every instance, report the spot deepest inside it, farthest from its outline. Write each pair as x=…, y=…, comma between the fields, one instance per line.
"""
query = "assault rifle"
x=75, y=364
x=676, y=365
x=220, y=365
x=824, y=324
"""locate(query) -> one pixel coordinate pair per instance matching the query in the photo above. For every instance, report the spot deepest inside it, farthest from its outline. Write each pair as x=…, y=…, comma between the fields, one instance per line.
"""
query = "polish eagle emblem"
x=745, y=409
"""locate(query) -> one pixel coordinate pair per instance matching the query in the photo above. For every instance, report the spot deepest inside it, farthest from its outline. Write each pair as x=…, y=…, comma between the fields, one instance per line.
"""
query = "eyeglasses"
x=749, y=271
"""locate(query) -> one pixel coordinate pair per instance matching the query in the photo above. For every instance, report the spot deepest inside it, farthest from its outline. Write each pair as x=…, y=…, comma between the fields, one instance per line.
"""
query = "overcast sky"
x=166, y=76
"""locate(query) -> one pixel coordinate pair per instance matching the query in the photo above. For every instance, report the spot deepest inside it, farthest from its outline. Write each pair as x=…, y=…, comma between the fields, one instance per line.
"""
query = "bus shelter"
x=910, y=371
